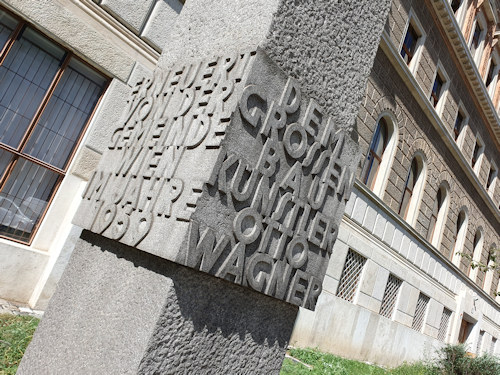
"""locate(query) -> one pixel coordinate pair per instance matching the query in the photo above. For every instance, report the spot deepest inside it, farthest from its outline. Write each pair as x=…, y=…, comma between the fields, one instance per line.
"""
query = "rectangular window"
x=420, y=310
x=458, y=125
x=491, y=177
x=478, y=150
x=47, y=96
x=455, y=5
x=491, y=74
x=390, y=296
x=476, y=38
x=409, y=44
x=465, y=330
x=351, y=275
x=443, y=324
x=437, y=90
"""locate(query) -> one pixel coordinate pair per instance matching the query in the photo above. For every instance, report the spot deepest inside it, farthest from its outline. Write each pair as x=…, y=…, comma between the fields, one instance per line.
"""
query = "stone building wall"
x=416, y=132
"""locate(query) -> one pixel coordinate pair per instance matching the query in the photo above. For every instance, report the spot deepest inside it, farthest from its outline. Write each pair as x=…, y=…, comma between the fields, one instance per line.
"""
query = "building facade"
x=51, y=140
x=427, y=185
x=427, y=189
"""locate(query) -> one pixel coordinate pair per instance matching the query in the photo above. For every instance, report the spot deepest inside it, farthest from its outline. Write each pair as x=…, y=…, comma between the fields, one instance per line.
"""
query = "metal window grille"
x=351, y=275
x=390, y=296
x=479, y=341
x=493, y=344
x=418, y=319
x=443, y=325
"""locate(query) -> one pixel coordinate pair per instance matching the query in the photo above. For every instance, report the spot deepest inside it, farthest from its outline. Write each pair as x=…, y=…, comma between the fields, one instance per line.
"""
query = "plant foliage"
x=15, y=335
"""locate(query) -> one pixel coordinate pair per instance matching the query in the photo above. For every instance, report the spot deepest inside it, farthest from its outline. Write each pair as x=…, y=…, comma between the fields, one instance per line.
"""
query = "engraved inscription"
x=169, y=118
x=285, y=200
x=225, y=166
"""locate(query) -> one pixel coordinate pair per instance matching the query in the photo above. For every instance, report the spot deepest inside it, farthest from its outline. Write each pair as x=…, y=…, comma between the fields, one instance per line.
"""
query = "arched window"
x=411, y=180
x=460, y=231
x=408, y=205
x=477, y=246
x=374, y=155
x=437, y=216
x=488, y=278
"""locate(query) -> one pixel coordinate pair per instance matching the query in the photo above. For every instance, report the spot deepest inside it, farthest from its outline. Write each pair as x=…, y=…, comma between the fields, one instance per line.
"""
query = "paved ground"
x=7, y=307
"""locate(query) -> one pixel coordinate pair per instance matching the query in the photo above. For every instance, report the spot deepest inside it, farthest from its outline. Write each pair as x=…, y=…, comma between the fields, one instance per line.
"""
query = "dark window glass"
x=436, y=90
x=438, y=203
x=458, y=125
x=409, y=44
x=455, y=5
x=7, y=26
x=25, y=77
x=46, y=99
x=460, y=223
x=411, y=180
x=475, y=39
x=374, y=156
x=491, y=177
x=475, y=154
x=491, y=73
x=475, y=242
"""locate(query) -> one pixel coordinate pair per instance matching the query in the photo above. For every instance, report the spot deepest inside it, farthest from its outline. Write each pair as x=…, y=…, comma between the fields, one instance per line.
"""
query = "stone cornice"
x=447, y=19
x=390, y=50
x=144, y=52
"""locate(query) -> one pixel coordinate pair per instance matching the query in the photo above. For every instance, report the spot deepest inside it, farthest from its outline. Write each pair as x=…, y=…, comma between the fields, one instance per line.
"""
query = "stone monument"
x=212, y=216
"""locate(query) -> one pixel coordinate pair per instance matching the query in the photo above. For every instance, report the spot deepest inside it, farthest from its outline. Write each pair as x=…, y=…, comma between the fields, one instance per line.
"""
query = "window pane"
x=458, y=125
x=67, y=112
x=5, y=159
x=373, y=172
x=432, y=226
x=24, y=199
x=455, y=4
x=25, y=77
x=7, y=26
x=404, y=203
x=409, y=44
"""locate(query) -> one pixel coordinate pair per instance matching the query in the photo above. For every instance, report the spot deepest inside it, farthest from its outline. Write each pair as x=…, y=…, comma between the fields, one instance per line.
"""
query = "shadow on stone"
x=208, y=322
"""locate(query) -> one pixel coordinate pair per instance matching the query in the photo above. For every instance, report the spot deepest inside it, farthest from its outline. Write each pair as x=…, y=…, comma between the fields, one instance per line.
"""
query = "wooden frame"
x=17, y=152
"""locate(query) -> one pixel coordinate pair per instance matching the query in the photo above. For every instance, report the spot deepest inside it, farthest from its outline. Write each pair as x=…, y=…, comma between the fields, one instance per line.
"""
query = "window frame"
x=478, y=53
x=417, y=26
x=488, y=277
x=461, y=135
x=437, y=232
x=460, y=236
x=460, y=13
x=477, y=252
x=382, y=175
x=17, y=153
x=476, y=164
x=494, y=180
x=413, y=207
x=491, y=88
x=441, y=73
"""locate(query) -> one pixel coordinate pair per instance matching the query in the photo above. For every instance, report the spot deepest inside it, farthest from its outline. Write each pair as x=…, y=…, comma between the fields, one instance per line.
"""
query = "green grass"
x=15, y=335
x=332, y=365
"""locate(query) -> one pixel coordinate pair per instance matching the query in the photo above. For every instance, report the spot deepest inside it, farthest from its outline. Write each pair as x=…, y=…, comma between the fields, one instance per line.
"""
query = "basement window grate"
x=418, y=319
x=390, y=296
x=351, y=274
x=443, y=325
